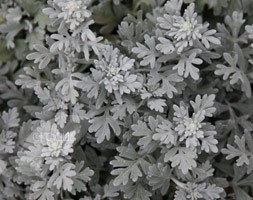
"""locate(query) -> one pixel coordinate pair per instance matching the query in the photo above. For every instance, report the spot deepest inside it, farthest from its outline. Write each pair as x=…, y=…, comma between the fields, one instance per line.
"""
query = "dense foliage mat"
x=126, y=99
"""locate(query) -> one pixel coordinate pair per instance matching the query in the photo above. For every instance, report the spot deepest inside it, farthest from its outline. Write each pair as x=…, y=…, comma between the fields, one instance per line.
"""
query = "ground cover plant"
x=126, y=99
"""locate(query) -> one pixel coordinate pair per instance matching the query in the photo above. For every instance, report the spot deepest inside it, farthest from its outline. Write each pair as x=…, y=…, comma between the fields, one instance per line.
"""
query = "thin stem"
x=178, y=183
x=142, y=70
x=140, y=104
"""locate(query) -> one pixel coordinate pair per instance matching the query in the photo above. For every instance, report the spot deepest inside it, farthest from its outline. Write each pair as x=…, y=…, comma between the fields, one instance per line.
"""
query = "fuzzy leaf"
x=103, y=127
x=181, y=157
x=185, y=66
x=136, y=192
x=148, y=54
x=42, y=56
x=145, y=131
x=205, y=103
x=64, y=178
x=165, y=133
x=159, y=177
x=244, y=151
x=129, y=165
x=10, y=118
